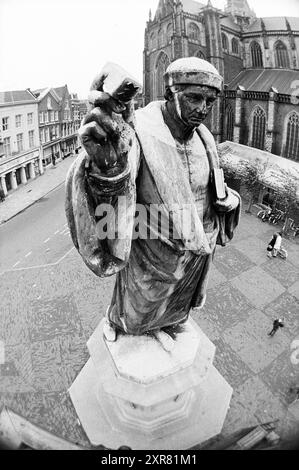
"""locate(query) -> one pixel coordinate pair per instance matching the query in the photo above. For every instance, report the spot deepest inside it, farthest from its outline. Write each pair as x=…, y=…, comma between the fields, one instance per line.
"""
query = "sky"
x=50, y=43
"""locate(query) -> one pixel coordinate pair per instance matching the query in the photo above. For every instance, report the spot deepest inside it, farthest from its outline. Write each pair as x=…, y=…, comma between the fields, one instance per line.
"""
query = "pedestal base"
x=178, y=404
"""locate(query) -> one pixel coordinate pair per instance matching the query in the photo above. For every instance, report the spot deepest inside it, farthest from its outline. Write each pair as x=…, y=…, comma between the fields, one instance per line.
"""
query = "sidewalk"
x=28, y=194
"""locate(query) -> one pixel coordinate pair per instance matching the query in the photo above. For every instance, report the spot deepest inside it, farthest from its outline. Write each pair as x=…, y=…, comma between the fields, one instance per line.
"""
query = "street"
x=37, y=236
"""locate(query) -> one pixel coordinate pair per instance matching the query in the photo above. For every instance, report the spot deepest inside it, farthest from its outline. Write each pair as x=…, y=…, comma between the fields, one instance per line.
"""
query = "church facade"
x=258, y=58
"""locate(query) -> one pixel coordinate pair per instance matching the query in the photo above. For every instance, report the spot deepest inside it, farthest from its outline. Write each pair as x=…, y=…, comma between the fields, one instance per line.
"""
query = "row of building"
x=37, y=128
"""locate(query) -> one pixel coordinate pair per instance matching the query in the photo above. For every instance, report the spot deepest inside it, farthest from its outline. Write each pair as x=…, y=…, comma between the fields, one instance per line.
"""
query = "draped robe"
x=159, y=278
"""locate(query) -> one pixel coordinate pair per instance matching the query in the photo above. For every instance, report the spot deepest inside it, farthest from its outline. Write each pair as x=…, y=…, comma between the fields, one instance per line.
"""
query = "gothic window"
x=229, y=123
x=161, y=66
x=169, y=32
x=193, y=32
x=224, y=42
x=256, y=55
x=153, y=41
x=281, y=55
x=235, y=46
x=258, y=128
x=292, y=137
x=161, y=37
x=200, y=54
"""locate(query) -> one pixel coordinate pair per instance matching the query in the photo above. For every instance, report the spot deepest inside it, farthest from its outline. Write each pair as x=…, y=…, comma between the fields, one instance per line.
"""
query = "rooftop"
x=15, y=96
x=274, y=23
x=263, y=80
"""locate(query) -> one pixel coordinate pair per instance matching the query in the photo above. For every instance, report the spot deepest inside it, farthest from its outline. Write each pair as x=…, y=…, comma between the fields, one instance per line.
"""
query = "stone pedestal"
x=134, y=393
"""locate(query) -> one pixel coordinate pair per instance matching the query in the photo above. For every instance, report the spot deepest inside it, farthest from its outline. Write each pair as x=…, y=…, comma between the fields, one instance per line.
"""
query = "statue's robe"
x=159, y=279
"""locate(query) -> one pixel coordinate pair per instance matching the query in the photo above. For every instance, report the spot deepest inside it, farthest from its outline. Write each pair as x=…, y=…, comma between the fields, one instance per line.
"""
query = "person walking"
x=274, y=244
x=278, y=323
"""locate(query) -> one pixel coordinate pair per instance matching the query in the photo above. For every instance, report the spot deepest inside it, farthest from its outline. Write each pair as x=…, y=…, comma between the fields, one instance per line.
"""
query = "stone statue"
x=142, y=170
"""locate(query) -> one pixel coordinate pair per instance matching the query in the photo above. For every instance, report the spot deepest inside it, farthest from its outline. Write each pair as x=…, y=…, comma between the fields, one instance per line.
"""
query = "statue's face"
x=195, y=103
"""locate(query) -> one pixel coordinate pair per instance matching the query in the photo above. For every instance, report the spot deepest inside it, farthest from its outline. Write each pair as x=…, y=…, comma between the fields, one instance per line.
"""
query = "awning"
x=277, y=169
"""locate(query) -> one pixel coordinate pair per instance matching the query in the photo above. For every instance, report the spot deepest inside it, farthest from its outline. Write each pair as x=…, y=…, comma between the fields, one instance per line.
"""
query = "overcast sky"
x=55, y=42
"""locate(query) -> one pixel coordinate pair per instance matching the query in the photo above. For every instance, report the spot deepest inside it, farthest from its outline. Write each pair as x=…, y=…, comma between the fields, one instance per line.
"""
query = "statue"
x=157, y=166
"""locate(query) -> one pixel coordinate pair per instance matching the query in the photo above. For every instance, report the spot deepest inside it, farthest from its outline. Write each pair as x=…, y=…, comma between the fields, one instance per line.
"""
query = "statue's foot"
x=166, y=340
x=109, y=332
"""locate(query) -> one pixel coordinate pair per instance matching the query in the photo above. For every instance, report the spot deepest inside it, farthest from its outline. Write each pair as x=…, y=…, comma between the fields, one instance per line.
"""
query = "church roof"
x=263, y=80
x=229, y=23
x=191, y=6
x=15, y=96
x=274, y=23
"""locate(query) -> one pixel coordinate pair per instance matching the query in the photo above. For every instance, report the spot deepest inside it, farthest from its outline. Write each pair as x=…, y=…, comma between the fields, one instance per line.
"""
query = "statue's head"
x=192, y=86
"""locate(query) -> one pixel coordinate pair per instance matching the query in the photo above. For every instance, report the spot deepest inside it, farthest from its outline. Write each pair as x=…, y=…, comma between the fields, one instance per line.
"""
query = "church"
x=258, y=58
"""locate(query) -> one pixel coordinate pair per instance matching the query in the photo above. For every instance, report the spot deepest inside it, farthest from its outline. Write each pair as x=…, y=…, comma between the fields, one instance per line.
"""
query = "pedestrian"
x=278, y=323
x=274, y=244
x=2, y=195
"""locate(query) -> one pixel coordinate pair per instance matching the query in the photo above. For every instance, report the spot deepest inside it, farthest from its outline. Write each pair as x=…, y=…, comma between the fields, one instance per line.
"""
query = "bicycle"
x=276, y=216
x=264, y=214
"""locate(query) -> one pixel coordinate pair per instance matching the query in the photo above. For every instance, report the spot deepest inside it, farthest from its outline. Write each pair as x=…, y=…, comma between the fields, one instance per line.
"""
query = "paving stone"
x=250, y=341
x=254, y=248
x=48, y=370
x=258, y=286
x=50, y=317
x=215, y=277
x=253, y=403
x=282, y=270
x=286, y=306
x=225, y=306
x=280, y=375
x=294, y=289
x=229, y=364
x=231, y=262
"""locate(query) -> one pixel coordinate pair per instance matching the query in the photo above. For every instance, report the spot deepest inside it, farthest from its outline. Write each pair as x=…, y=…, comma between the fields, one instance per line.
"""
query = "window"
x=224, y=42
x=5, y=123
x=235, y=46
x=229, y=123
x=161, y=66
x=47, y=134
x=193, y=32
x=31, y=138
x=161, y=38
x=29, y=118
x=20, y=142
x=292, y=138
x=18, y=120
x=169, y=31
x=6, y=146
x=258, y=128
x=52, y=116
x=46, y=116
x=57, y=131
x=42, y=136
x=56, y=115
x=153, y=40
x=200, y=55
x=41, y=118
x=256, y=55
x=281, y=55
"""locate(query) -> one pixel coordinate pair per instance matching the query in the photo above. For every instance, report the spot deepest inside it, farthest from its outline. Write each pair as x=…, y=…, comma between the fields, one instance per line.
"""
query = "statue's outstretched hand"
x=107, y=131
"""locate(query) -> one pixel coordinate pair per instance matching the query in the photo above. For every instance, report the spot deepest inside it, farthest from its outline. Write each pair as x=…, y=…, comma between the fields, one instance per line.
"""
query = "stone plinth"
x=134, y=393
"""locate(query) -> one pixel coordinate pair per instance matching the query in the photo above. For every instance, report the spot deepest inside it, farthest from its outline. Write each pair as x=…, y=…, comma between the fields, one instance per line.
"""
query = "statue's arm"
x=97, y=180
